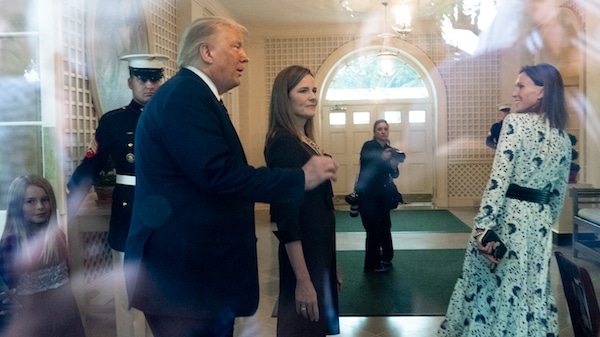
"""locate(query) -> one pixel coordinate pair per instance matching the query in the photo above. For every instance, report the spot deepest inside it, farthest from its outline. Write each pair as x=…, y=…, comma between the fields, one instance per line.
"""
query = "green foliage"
x=107, y=176
x=362, y=73
x=461, y=14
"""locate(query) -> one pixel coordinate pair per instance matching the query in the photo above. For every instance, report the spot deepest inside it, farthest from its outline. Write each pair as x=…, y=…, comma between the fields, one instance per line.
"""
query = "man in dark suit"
x=191, y=252
x=114, y=142
x=491, y=139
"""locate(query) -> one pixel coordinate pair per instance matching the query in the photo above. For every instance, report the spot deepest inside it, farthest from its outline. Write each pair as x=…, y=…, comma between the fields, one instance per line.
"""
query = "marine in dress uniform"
x=114, y=139
x=492, y=136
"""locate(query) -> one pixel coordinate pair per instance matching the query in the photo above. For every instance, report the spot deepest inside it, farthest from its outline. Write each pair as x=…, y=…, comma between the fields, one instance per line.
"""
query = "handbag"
x=391, y=196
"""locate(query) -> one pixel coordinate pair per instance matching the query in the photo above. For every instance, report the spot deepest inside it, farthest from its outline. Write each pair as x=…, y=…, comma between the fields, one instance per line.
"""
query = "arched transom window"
x=359, y=80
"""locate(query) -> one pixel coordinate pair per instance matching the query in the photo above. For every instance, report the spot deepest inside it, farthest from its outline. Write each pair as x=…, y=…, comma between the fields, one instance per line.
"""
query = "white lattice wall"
x=473, y=91
x=309, y=52
x=466, y=180
x=163, y=27
x=80, y=118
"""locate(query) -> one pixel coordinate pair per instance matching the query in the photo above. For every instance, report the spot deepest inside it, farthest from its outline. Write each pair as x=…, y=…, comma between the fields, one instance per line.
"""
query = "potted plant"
x=105, y=181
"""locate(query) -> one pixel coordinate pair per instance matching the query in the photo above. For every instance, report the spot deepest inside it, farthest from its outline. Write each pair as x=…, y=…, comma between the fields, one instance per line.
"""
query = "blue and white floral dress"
x=515, y=299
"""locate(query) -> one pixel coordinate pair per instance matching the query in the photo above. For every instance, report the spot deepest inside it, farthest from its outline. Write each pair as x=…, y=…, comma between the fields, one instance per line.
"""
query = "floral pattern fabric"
x=515, y=299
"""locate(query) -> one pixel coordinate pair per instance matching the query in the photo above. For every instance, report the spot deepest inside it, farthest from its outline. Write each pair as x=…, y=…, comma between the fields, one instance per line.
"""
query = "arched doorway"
x=417, y=123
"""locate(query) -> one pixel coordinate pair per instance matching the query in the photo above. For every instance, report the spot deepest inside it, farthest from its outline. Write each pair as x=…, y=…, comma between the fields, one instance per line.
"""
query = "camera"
x=398, y=155
x=353, y=199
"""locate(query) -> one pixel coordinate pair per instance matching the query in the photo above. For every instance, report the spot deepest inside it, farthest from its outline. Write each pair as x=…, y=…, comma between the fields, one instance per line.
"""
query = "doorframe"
x=432, y=78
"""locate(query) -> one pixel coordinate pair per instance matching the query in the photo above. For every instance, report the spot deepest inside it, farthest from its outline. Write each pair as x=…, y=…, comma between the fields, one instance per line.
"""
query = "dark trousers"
x=170, y=326
x=376, y=221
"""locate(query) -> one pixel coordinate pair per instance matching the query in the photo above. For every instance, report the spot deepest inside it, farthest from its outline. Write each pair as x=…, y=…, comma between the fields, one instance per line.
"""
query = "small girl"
x=35, y=262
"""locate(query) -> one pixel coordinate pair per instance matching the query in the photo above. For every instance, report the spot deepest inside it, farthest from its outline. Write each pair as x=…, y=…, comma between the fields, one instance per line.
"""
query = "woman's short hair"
x=553, y=102
x=199, y=32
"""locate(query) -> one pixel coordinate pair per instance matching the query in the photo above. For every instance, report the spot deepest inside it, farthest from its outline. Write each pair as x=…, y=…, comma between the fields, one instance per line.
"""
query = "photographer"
x=378, y=166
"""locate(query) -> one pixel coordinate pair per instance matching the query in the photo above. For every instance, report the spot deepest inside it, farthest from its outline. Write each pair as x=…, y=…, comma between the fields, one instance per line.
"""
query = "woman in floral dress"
x=523, y=198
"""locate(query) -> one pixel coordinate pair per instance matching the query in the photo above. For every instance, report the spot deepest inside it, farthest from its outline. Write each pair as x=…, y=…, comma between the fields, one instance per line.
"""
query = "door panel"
x=414, y=136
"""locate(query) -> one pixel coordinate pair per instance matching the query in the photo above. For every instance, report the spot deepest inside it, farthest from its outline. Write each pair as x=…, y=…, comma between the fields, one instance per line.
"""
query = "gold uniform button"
x=130, y=157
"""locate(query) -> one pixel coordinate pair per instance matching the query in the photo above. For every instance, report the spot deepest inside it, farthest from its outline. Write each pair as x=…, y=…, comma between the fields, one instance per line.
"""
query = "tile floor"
x=263, y=325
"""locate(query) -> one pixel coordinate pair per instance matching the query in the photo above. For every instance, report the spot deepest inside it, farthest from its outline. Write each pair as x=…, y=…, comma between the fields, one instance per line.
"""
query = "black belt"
x=528, y=194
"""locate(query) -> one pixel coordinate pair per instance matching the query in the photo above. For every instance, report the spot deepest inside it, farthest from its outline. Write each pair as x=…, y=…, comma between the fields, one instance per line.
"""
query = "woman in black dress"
x=377, y=168
x=308, y=278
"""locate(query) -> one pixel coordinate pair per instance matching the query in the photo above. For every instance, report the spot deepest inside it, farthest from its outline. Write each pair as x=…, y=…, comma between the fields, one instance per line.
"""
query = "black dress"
x=314, y=224
x=43, y=290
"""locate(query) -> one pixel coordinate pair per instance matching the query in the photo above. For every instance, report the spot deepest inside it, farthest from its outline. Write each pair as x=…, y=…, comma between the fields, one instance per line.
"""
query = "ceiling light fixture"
x=357, y=6
x=402, y=26
x=346, y=5
x=386, y=59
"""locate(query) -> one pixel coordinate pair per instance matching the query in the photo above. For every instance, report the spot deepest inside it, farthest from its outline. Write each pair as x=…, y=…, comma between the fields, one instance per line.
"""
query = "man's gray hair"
x=199, y=32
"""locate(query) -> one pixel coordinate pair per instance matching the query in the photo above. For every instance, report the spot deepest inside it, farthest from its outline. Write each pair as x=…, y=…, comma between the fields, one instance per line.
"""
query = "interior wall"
x=470, y=111
x=473, y=93
x=591, y=82
x=475, y=86
x=254, y=110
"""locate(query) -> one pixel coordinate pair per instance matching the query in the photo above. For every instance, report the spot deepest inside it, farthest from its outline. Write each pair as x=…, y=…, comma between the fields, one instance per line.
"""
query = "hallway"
x=262, y=324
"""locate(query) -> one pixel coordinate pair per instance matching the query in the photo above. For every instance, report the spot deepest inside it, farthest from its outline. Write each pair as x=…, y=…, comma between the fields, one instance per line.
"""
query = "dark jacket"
x=492, y=139
x=114, y=139
x=191, y=249
x=374, y=172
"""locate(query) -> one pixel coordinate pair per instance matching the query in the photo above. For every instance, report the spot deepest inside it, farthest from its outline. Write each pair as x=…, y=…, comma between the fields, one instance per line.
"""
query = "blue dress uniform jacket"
x=191, y=250
x=114, y=138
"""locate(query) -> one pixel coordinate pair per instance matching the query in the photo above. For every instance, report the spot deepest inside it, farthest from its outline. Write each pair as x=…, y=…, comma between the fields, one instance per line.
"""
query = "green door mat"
x=434, y=220
x=419, y=284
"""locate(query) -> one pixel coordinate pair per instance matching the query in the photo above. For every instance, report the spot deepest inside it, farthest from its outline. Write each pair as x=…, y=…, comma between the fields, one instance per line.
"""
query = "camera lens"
x=399, y=155
x=354, y=211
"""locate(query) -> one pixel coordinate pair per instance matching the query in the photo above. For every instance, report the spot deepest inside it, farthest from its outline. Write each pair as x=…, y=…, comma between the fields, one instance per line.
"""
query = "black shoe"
x=386, y=264
x=380, y=269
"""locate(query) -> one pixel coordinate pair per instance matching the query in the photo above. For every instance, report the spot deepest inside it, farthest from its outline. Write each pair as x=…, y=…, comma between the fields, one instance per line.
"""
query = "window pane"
x=20, y=86
x=416, y=116
x=393, y=117
x=19, y=16
x=362, y=117
x=23, y=155
x=337, y=118
x=359, y=79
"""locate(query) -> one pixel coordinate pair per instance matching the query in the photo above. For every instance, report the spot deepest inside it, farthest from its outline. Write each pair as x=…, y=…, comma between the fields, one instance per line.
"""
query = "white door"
x=411, y=131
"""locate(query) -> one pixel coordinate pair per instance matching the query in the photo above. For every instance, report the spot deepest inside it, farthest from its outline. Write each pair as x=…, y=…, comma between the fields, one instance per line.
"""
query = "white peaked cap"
x=503, y=107
x=145, y=61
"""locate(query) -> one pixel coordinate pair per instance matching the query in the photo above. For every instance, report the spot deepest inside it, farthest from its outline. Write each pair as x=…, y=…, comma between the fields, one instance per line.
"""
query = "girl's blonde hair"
x=21, y=230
